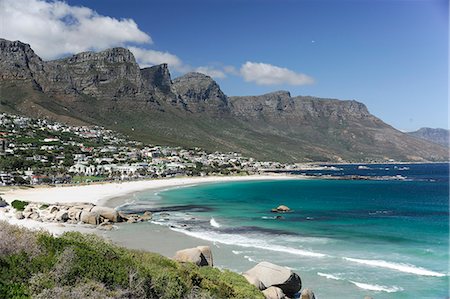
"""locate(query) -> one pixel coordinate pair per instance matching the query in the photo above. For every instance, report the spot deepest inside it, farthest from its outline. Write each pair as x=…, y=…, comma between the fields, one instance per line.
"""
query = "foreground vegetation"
x=38, y=265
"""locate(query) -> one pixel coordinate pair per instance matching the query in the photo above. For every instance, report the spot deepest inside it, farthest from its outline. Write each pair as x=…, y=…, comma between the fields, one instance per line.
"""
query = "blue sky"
x=390, y=55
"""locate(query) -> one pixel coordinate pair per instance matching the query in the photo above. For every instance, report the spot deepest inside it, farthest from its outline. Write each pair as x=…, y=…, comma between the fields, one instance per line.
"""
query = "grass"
x=75, y=265
x=19, y=205
x=83, y=179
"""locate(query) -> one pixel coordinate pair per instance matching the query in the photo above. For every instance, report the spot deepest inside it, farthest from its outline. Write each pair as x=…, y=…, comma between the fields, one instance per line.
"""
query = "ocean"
x=345, y=238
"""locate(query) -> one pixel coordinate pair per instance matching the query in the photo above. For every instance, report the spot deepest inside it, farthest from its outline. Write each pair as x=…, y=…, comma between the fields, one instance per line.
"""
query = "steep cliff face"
x=201, y=93
x=108, y=88
x=110, y=74
x=18, y=62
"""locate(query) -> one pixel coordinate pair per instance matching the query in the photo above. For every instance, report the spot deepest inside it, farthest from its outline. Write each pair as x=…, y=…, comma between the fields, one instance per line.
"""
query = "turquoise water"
x=346, y=239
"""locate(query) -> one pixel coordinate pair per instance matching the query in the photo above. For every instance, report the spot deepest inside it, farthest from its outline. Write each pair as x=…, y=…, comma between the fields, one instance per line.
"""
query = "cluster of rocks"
x=102, y=217
x=275, y=282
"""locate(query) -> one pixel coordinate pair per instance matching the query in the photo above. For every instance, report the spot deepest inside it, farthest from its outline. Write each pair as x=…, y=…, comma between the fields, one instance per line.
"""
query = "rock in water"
x=281, y=209
x=19, y=215
x=273, y=275
x=274, y=293
x=195, y=255
x=106, y=226
x=307, y=294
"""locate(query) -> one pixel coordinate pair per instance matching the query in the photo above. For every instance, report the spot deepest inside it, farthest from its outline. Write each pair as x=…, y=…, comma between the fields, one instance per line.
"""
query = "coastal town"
x=39, y=151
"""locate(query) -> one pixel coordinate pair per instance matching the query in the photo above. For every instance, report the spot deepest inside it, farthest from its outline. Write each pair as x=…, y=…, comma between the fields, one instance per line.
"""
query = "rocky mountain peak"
x=200, y=93
x=157, y=77
x=18, y=61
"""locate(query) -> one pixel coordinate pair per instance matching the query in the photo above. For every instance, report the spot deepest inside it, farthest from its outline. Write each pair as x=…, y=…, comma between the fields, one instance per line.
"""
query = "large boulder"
x=62, y=216
x=107, y=213
x=195, y=255
x=90, y=218
x=307, y=294
x=74, y=213
x=255, y=281
x=274, y=293
x=206, y=251
x=53, y=209
x=273, y=275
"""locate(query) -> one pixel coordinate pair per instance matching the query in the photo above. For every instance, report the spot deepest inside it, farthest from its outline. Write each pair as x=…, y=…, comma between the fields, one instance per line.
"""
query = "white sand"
x=99, y=194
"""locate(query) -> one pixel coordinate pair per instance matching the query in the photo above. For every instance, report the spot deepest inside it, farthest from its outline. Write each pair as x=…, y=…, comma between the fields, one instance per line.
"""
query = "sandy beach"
x=100, y=194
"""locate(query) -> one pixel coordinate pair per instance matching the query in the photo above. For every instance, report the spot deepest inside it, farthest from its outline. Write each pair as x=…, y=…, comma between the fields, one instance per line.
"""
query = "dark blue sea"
x=386, y=238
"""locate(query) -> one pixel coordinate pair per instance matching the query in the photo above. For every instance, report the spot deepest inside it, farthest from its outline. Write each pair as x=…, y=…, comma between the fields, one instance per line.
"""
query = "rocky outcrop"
x=103, y=217
x=19, y=62
x=157, y=78
x=201, y=93
x=273, y=275
x=200, y=256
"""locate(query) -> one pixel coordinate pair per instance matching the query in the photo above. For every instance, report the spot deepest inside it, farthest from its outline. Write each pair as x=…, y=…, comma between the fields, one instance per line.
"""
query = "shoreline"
x=103, y=193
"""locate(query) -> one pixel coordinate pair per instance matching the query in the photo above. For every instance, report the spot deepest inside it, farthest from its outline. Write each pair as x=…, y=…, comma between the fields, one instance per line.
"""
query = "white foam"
x=236, y=252
x=214, y=223
x=377, y=288
x=249, y=259
x=395, y=266
x=246, y=242
x=329, y=276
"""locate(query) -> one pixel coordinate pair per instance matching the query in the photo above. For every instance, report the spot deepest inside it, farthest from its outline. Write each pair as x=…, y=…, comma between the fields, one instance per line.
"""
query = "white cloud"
x=56, y=28
x=212, y=72
x=267, y=74
x=147, y=58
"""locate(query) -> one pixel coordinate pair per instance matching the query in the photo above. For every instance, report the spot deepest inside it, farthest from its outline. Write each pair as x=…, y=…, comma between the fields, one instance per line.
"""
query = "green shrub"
x=43, y=207
x=19, y=205
x=86, y=266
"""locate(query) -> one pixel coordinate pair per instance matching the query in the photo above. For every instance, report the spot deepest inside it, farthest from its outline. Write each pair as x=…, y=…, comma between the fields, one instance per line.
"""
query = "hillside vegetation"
x=38, y=265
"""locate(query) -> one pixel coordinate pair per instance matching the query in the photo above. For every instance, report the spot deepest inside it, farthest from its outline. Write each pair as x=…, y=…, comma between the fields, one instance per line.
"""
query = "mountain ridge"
x=109, y=88
x=435, y=135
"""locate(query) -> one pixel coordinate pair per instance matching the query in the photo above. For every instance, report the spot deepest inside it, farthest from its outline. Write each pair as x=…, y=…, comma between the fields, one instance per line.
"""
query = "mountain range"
x=109, y=88
x=438, y=136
